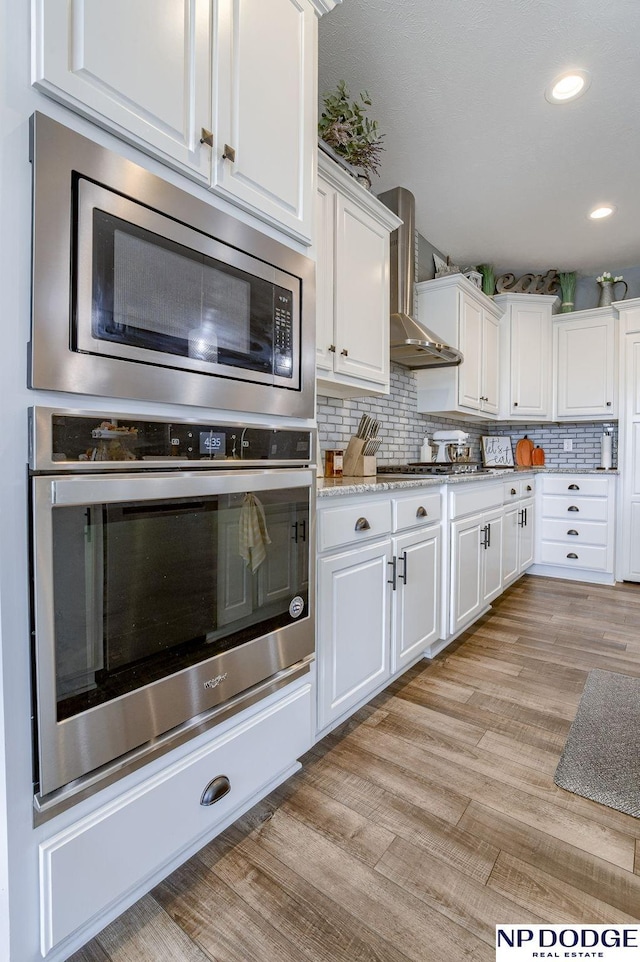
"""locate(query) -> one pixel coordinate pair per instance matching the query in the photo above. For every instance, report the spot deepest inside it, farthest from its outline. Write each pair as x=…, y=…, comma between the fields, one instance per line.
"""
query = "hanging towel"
x=253, y=534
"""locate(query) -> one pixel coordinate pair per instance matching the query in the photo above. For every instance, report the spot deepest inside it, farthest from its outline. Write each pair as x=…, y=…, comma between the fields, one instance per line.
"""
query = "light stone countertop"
x=337, y=487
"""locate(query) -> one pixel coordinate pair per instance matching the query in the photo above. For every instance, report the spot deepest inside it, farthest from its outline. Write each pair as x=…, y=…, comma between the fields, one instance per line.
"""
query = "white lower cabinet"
x=353, y=627
x=575, y=536
x=129, y=843
x=517, y=529
x=416, y=599
x=476, y=551
x=378, y=598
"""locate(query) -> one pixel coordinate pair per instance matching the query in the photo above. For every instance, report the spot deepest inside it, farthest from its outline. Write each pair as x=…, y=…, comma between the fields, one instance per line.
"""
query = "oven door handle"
x=105, y=489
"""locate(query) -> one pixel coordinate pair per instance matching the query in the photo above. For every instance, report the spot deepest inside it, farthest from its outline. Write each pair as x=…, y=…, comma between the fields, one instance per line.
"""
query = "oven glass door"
x=141, y=579
x=152, y=290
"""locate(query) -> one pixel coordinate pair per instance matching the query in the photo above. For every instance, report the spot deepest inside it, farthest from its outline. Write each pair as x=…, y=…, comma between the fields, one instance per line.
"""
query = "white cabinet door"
x=142, y=68
x=510, y=543
x=416, y=600
x=490, y=364
x=491, y=555
x=586, y=350
x=526, y=530
x=361, y=295
x=324, y=250
x=265, y=109
x=466, y=571
x=629, y=526
x=353, y=627
x=470, y=371
x=531, y=360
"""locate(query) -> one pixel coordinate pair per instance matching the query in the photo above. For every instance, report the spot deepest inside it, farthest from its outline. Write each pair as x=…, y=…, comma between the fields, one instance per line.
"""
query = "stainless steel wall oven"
x=142, y=290
x=172, y=584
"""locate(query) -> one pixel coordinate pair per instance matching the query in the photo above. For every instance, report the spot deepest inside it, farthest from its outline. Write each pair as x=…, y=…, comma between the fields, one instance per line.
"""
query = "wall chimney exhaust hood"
x=412, y=344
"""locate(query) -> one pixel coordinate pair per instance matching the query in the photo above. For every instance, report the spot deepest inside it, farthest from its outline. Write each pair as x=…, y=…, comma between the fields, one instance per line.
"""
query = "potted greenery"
x=351, y=136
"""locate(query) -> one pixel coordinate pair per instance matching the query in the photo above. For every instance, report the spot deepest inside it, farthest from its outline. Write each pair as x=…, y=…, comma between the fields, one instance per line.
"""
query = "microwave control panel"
x=283, y=332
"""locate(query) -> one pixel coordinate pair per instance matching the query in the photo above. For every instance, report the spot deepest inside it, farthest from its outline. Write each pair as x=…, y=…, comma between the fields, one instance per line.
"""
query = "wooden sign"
x=548, y=283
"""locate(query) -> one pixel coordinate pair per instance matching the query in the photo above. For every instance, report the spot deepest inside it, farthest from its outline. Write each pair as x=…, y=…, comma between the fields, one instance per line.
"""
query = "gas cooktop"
x=434, y=467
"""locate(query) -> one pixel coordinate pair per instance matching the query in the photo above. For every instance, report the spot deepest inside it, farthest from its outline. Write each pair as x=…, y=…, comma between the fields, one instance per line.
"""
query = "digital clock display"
x=213, y=443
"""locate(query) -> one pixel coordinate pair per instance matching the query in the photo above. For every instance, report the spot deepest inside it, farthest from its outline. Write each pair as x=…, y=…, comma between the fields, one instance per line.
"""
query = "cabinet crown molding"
x=462, y=283
x=324, y=6
x=333, y=174
x=516, y=298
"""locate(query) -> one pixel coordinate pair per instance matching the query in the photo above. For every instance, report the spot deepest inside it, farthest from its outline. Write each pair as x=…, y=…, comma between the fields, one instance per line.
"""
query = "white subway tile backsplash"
x=402, y=429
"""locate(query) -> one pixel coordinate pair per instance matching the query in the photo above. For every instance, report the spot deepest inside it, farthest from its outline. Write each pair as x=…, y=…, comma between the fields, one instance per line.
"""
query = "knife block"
x=355, y=464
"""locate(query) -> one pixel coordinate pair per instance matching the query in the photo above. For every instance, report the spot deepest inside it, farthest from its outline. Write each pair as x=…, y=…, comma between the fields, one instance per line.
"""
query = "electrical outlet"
x=568, y=444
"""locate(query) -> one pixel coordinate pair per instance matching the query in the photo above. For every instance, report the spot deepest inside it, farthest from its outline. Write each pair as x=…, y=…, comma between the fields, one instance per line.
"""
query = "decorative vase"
x=607, y=292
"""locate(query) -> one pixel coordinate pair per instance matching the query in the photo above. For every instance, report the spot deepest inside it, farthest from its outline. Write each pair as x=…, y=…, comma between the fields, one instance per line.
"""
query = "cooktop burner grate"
x=434, y=467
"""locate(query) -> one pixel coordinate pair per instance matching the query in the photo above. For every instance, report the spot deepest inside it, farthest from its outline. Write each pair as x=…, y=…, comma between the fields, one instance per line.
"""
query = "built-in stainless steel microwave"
x=142, y=290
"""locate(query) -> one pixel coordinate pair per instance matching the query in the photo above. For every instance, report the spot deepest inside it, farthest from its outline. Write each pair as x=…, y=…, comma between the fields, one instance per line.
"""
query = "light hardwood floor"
x=426, y=819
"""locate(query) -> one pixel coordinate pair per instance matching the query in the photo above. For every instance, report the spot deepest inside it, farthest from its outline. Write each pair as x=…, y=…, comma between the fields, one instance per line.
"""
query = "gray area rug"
x=601, y=757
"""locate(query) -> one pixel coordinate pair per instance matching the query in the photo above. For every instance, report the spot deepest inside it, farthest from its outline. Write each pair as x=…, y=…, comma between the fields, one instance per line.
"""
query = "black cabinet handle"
x=489, y=535
x=573, y=532
x=215, y=790
x=392, y=579
x=529, y=488
x=515, y=404
x=485, y=532
x=572, y=507
x=521, y=518
x=513, y=491
x=403, y=559
x=362, y=524
x=421, y=512
x=572, y=554
x=574, y=487
x=526, y=517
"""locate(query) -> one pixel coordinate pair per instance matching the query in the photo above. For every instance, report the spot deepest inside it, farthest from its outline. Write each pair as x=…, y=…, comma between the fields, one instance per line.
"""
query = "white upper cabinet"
x=466, y=318
x=167, y=75
x=585, y=361
x=527, y=356
x=352, y=284
x=143, y=69
x=265, y=123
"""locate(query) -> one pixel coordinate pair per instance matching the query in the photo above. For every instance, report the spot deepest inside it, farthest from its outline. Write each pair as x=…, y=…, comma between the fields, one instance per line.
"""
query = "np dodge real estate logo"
x=611, y=943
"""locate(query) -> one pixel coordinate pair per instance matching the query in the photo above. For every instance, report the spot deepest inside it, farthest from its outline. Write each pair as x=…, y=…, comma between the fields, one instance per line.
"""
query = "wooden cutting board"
x=537, y=456
x=524, y=451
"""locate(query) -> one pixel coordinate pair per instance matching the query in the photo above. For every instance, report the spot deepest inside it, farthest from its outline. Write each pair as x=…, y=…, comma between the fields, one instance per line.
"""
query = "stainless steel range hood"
x=412, y=344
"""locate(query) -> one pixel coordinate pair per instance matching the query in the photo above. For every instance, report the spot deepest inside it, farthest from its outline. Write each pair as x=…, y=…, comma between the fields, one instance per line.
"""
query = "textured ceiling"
x=499, y=174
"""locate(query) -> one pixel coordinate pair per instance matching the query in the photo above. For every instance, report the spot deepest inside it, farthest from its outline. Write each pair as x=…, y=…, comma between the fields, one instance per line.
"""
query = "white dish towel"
x=253, y=534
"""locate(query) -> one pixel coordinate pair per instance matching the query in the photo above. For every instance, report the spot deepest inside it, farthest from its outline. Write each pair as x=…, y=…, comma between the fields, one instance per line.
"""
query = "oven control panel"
x=81, y=440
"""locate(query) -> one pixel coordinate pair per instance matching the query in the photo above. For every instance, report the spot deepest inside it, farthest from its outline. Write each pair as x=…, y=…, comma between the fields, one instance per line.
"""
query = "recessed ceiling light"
x=605, y=210
x=568, y=86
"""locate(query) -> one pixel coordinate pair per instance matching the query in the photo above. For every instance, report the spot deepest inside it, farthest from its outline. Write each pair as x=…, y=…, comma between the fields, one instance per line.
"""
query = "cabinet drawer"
x=419, y=509
x=583, y=509
x=587, y=556
x=517, y=488
x=350, y=523
x=137, y=834
x=578, y=532
x=579, y=485
x=476, y=497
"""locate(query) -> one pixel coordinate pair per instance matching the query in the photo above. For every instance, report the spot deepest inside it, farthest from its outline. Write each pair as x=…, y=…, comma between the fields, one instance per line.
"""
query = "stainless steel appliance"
x=434, y=468
x=172, y=584
x=141, y=290
x=412, y=343
x=452, y=446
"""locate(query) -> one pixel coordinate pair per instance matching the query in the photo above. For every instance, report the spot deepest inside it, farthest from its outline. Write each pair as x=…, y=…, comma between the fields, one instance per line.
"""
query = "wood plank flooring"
x=427, y=818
